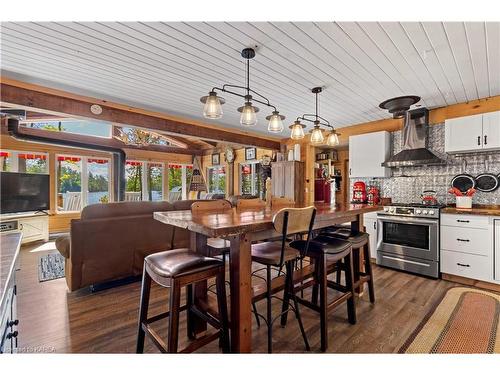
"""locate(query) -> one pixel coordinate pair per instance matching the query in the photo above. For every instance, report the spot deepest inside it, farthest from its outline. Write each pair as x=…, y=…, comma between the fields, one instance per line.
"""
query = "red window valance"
x=133, y=163
x=98, y=161
x=32, y=156
x=246, y=169
x=67, y=158
x=4, y=154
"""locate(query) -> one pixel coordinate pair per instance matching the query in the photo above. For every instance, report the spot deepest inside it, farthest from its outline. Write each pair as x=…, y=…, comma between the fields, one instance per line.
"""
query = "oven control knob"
x=425, y=212
x=419, y=212
x=431, y=212
x=386, y=209
x=392, y=210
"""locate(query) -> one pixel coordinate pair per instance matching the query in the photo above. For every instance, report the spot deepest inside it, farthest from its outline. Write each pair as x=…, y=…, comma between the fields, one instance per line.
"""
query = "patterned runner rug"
x=50, y=267
x=465, y=321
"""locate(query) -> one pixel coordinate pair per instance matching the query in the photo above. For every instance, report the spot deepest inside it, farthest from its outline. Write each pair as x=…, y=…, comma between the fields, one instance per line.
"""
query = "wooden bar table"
x=241, y=228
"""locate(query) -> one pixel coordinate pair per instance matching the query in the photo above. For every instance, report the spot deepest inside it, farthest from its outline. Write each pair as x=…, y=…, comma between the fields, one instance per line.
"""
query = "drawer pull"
x=463, y=221
x=13, y=323
x=12, y=335
x=462, y=240
x=463, y=265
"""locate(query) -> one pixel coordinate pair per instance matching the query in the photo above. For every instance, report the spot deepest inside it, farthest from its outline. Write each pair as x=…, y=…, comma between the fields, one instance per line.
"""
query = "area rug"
x=466, y=320
x=50, y=267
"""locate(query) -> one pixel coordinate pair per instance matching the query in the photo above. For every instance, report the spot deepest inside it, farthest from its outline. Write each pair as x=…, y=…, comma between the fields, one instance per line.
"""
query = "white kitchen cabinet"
x=34, y=227
x=491, y=130
x=497, y=251
x=370, y=222
x=473, y=133
x=468, y=246
x=367, y=152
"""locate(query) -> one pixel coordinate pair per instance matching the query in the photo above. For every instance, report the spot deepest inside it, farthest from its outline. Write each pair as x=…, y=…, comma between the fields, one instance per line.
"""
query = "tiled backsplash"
x=407, y=183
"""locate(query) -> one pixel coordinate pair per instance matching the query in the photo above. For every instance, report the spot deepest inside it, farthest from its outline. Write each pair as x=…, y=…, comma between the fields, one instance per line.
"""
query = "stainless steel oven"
x=408, y=239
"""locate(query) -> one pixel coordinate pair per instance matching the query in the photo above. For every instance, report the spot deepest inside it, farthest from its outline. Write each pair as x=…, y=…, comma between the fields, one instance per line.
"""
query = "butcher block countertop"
x=477, y=209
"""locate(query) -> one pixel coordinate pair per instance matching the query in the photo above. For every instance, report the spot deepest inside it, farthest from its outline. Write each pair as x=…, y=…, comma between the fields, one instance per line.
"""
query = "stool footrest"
x=162, y=315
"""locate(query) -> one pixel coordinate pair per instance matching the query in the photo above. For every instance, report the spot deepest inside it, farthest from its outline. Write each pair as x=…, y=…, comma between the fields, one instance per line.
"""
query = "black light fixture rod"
x=248, y=76
x=223, y=89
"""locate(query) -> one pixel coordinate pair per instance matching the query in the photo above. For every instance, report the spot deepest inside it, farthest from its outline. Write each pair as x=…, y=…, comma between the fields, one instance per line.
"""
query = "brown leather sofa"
x=109, y=241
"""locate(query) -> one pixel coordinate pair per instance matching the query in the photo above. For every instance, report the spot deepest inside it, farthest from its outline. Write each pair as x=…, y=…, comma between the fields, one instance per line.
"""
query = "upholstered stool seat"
x=180, y=262
x=176, y=269
x=269, y=253
x=356, y=239
x=322, y=244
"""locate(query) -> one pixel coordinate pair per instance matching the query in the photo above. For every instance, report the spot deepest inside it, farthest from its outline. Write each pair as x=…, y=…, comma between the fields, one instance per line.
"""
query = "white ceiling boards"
x=167, y=67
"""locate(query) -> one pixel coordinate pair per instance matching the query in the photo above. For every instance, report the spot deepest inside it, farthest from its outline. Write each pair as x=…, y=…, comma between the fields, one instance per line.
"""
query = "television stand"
x=34, y=226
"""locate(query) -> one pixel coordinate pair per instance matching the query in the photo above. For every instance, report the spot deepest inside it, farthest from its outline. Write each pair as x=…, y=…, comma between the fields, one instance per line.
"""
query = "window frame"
x=208, y=178
x=184, y=182
x=84, y=178
x=14, y=155
x=144, y=178
x=252, y=164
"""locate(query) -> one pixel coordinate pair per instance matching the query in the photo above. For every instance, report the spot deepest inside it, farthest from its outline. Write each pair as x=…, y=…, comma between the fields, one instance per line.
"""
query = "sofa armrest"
x=63, y=245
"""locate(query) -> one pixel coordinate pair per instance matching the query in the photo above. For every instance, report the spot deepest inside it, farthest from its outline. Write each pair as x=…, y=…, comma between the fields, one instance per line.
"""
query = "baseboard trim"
x=471, y=282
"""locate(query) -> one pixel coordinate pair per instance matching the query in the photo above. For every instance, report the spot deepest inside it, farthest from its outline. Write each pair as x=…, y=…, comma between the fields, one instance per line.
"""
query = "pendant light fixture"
x=212, y=108
x=317, y=137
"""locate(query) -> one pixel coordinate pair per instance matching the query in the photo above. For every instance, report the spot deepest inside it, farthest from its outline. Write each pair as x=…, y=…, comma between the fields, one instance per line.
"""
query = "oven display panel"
x=405, y=211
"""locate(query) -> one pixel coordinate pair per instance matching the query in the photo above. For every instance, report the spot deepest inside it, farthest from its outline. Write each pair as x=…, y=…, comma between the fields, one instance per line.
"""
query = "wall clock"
x=96, y=109
x=229, y=155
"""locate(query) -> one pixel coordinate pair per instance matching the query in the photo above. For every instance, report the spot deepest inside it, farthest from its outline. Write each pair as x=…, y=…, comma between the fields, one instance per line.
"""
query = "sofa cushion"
x=99, y=210
x=63, y=245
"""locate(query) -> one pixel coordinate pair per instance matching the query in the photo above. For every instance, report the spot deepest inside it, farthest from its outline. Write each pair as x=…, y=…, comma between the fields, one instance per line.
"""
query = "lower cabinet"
x=370, y=222
x=467, y=246
x=497, y=251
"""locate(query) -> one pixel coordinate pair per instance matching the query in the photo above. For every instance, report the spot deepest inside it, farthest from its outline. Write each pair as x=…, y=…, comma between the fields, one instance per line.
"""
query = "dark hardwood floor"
x=54, y=320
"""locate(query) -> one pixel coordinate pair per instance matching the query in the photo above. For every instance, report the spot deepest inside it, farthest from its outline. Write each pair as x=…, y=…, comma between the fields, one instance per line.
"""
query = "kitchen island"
x=241, y=228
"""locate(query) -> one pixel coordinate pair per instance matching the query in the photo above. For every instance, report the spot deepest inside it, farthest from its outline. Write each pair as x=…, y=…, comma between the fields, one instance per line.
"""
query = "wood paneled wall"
x=61, y=221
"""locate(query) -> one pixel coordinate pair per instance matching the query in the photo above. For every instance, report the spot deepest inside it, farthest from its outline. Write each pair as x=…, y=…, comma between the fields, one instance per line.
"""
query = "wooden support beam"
x=35, y=98
x=99, y=141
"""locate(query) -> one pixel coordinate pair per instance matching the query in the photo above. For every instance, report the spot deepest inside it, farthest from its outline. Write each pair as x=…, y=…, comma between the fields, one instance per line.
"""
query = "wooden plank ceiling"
x=166, y=67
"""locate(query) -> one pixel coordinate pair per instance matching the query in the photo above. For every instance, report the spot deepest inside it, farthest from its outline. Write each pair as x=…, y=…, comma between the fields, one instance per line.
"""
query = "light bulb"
x=275, y=122
x=248, y=114
x=213, y=105
x=332, y=139
x=297, y=130
x=317, y=136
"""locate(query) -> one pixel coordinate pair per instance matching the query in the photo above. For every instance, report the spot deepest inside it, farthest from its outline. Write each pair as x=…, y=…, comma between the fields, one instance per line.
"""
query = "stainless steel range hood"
x=414, y=134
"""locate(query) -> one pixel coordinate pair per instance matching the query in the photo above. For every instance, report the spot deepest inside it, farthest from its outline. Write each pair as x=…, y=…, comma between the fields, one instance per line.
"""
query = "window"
x=133, y=180
x=98, y=180
x=179, y=178
x=82, y=181
x=251, y=179
x=155, y=181
x=69, y=183
x=92, y=128
x=6, y=161
x=217, y=180
x=144, y=181
x=24, y=161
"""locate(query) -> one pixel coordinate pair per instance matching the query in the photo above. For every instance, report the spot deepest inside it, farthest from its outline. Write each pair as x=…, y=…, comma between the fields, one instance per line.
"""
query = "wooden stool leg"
x=315, y=288
x=143, y=309
x=173, y=328
x=189, y=303
x=223, y=315
x=356, y=264
x=323, y=303
x=351, y=305
x=269, y=316
x=369, y=272
x=339, y=272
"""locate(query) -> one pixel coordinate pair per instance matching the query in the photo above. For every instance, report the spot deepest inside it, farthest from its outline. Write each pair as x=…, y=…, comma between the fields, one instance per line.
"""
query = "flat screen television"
x=24, y=192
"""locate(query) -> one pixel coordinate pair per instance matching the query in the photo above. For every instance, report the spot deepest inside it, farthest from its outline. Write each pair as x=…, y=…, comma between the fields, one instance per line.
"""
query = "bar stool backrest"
x=250, y=203
x=211, y=205
x=294, y=220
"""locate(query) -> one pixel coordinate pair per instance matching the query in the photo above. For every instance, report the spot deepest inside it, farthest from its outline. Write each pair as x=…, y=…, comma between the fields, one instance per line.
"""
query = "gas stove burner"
x=417, y=205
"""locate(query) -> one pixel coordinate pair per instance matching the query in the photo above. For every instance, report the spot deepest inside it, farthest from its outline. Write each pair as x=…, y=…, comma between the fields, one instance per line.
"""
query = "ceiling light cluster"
x=212, y=109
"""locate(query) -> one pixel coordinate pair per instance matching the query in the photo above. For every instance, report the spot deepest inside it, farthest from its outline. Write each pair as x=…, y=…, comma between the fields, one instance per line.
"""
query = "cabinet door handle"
x=462, y=240
x=350, y=171
x=463, y=221
x=374, y=225
x=485, y=139
x=479, y=140
x=463, y=265
x=20, y=227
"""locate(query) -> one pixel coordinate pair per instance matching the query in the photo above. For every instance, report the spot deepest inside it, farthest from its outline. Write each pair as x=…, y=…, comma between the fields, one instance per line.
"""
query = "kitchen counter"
x=477, y=209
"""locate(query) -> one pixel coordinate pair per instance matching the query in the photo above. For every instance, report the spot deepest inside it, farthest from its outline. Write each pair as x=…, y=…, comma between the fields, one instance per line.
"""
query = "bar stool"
x=327, y=252
x=360, y=241
x=278, y=254
x=176, y=269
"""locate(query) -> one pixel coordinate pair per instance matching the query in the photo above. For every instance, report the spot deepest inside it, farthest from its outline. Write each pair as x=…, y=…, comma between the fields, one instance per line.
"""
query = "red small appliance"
x=359, y=192
x=373, y=195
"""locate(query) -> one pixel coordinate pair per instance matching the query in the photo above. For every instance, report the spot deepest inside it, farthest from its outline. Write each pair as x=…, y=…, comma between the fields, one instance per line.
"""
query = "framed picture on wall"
x=216, y=159
x=250, y=153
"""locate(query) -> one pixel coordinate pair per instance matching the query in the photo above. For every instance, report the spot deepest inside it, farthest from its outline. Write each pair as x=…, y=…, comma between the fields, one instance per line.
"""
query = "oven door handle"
x=407, y=220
